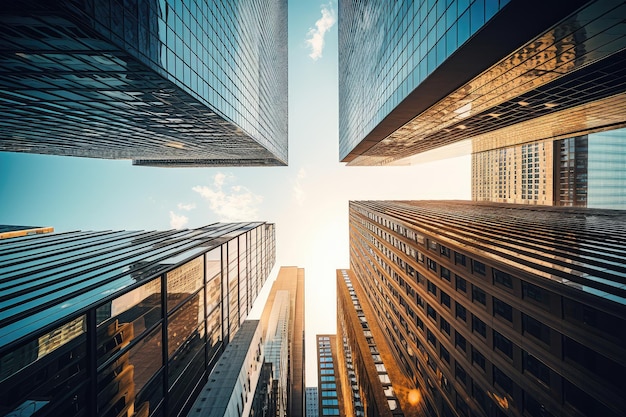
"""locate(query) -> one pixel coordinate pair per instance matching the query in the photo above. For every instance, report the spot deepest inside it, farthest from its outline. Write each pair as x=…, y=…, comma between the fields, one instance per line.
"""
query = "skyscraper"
x=415, y=76
x=329, y=384
x=7, y=231
x=282, y=322
x=123, y=323
x=487, y=309
x=377, y=386
x=311, y=402
x=167, y=83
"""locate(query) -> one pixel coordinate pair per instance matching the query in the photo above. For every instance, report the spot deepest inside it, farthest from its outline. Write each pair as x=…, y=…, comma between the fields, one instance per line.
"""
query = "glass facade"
x=117, y=323
x=168, y=83
x=540, y=326
x=415, y=76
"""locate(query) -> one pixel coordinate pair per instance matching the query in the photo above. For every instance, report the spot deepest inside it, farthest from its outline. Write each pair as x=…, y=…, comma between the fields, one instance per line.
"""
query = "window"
x=444, y=354
x=432, y=265
x=460, y=341
x=502, y=309
x=535, y=328
x=444, y=251
x=479, y=295
x=478, y=358
x=535, y=294
x=502, y=278
x=330, y=411
x=329, y=386
x=593, y=361
x=330, y=402
x=478, y=267
x=503, y=344
x=459, y=259
x=444, y=273
x=432, y=288
x=536, y=368
x=459, y=373
x=445, y=326
x=432, y=245
x=431, y=338
x=445, y=299
x=328, y=378
x=431, y=312
x=419, y=323
x=461, y=312
x=588, y=405
x=461, y=284
x=479, y=326
x=501, y=379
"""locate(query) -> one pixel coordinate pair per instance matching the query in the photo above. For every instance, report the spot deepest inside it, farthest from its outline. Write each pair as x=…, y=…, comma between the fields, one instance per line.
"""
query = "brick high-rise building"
x=486, y=309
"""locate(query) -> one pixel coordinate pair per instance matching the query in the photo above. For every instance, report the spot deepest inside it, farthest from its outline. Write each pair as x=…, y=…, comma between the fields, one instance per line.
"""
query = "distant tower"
x=282, y=321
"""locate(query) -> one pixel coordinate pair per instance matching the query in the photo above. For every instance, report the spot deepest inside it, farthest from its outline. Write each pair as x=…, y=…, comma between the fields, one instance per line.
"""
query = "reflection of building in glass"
x=582, y=171
x=282, y=321
x=235, y=379
x=164, y=83
x=415, y=76
x=311, y=402
x=330, y=395
x=121, y=323
x=7, y=231
x=486, y=309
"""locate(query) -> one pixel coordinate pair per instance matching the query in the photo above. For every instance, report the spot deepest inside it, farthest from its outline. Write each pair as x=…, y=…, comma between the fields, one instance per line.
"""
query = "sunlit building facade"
x=7, y=231
x=123, y=323
x=282, y=323
x=489, y=309
x=167, y=83
x=415, y=76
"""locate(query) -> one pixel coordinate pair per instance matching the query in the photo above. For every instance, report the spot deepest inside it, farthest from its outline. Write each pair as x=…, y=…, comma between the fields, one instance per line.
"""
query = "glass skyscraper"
x=460, y=308
x=418, y=75
x=123, y=323
x=165, y=83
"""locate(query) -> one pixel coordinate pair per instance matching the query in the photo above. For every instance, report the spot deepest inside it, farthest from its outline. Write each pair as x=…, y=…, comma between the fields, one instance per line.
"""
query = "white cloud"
x=186, y=207
x=298, y=191
x=231, y=204
x=315, y=36
x=178, y=222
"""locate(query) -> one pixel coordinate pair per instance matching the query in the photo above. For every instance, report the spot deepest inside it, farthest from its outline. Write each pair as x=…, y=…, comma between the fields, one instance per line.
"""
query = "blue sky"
x=308, y=200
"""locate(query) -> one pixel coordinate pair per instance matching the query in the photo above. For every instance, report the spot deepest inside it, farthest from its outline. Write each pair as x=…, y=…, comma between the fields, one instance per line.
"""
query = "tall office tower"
x=7, y=231
x=491, y=309
x=282, y=322
x=165, y=83
x=415, y=75
x=312, y=410
x=372, y=383
x=236, y=386
x=329, y=385
x=123, y=323
x=582, y=171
